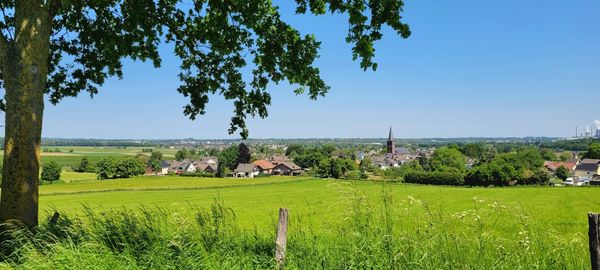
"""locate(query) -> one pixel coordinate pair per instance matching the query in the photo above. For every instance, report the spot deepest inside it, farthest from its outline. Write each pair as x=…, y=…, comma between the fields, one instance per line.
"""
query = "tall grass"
x=375, y=233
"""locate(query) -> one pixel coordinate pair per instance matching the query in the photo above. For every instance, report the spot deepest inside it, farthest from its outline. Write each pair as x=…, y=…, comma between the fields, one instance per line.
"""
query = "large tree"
x=61, y=48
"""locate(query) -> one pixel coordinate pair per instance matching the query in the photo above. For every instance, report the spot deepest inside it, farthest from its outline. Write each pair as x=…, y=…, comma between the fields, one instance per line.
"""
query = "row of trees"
x=477, y=164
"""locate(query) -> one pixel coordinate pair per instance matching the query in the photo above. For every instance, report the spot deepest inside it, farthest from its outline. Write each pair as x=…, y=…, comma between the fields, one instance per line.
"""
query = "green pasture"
x=255, y=201
x=67, y=156
x=207, y=223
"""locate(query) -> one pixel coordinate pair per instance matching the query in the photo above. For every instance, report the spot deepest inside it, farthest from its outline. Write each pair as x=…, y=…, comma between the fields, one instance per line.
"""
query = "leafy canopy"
x=215, y=40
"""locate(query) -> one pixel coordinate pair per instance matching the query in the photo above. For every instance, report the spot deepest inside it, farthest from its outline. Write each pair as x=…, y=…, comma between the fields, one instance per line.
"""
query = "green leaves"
x=234, y=48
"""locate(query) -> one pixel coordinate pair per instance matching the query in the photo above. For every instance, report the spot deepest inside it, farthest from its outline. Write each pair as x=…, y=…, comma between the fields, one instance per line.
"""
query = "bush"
x=198, y=174
x=435, y=178
x=130, y=167
x=51, y=171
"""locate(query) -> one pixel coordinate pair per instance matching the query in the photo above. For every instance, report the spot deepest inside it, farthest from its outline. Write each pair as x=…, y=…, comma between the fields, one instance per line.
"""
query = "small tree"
x=156, y=155
x=182, y=154
x=51, y=171
x=106, y=168
x=593, y=152
x=155, y=165
x=220, y=170
x=83, y=165
x=244, y=155
x=130, y=167
x=562, y=172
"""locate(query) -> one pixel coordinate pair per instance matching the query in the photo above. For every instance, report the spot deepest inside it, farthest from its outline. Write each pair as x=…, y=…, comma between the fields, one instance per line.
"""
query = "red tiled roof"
x=263, y=164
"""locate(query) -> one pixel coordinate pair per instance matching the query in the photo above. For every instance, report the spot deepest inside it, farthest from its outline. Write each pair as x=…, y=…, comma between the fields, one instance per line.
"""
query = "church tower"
x=391, y=144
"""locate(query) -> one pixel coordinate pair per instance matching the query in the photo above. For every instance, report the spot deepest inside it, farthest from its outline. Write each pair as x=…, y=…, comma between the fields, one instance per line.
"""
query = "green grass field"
x=71, y=156
x=256, y=200
x=334, y=224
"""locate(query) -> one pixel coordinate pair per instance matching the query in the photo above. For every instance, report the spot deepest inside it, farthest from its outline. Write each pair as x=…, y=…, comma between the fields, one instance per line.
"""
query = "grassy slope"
x=256, y=201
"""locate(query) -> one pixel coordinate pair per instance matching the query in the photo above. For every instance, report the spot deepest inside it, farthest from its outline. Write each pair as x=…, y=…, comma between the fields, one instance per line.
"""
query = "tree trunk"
x=25, y=72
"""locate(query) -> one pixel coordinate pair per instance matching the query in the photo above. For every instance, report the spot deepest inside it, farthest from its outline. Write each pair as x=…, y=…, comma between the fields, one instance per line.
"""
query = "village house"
x=264, y=166
x=553, y=165
x=276, y=160
x=587, y=168
x=246, y=170
x=206, y=164
x=287, y=168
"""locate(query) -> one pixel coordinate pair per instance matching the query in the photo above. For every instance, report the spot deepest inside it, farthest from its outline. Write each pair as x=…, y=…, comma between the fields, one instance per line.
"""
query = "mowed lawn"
x=319, y=201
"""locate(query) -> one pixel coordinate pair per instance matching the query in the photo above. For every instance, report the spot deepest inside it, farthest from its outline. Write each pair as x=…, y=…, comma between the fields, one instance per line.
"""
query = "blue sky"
x=470, y=68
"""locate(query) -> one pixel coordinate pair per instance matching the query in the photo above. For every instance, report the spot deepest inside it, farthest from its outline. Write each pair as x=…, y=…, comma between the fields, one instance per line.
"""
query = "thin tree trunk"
x=25, y=72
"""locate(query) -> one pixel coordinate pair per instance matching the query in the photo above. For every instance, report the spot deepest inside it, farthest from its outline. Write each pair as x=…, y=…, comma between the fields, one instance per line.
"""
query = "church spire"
x=391, y=144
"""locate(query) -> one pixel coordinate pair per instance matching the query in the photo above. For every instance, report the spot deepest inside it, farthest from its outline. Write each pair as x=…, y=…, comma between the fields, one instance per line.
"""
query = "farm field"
x=256, y=201
x=333, y=224
x=70, y=156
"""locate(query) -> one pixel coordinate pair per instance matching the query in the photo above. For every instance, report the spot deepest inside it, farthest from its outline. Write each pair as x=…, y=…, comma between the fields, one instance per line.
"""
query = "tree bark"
x=25, y=71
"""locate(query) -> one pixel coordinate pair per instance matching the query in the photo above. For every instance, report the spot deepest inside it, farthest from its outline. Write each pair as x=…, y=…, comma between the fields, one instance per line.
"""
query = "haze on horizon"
x=470, y=69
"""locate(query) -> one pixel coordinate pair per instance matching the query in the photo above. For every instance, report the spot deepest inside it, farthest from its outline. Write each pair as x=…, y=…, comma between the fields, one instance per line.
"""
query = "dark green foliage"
x=335, y=167
x=479, y=151
x=156, y=155
x=548, y=154
x=537, y=177
x=182, y=154
x=435, y=178
x=309, y=160
x=129, y=167
x=562, y=173
x=496, y=173
x=106, y=168
x=84, y=165
x=198, y=174
x=366, y=165
x=295, y=149
x=155, y=165
x=155, y=161
x=220, y=169
x=593, y=152
x=447, y=159
x=564, y=156
x=244, y=154
x=398, y=173
x=229, y=157
x=50, y=171
x=524, y=167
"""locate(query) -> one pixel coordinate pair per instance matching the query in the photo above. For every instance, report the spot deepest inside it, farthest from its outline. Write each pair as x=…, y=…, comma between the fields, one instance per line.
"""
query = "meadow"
x=70, y=156
x=194, y=223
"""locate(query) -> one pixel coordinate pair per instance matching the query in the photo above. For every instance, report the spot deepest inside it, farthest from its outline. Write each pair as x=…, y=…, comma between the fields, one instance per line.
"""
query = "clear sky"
x=470, y=68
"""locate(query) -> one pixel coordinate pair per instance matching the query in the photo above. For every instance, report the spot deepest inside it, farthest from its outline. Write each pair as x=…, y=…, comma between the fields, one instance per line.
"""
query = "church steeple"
x=391, y=144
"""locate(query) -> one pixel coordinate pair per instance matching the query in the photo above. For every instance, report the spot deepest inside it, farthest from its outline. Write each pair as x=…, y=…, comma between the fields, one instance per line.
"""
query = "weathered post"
x=594, y=233
x=54, y=218
x=281, y=241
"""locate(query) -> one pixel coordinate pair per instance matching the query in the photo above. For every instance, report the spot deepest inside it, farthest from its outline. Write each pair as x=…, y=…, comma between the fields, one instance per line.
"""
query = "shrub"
x=435, y=178
x=130, y=167
x=106, y=168
x=198, y=174
x=51, y=171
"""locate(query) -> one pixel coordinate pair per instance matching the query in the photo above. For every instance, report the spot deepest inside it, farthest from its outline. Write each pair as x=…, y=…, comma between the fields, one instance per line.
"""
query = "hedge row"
x=435, y=178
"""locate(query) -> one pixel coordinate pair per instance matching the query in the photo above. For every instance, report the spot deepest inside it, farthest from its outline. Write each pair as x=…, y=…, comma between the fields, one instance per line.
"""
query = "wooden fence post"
x=594, y=233
x=54, y=218
x=281, y=241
